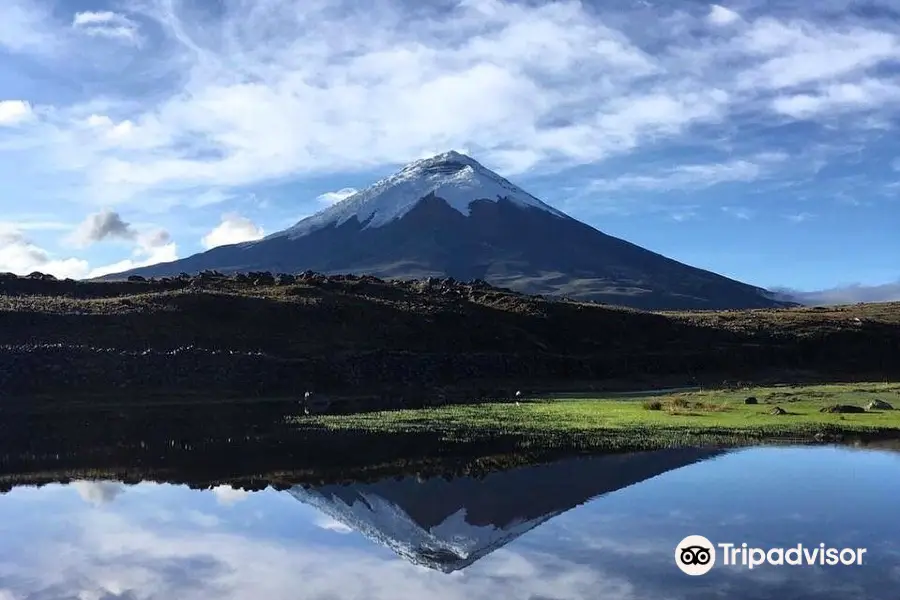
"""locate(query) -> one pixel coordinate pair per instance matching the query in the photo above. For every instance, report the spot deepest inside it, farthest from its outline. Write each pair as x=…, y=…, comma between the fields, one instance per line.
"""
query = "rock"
x=136, y=278
x=751, y=400
x=879, y=405
x=778, y=411
x=842, y=408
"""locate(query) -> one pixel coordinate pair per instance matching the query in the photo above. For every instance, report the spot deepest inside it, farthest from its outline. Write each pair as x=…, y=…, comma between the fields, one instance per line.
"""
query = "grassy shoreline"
x=258, y=444
x=685, y=418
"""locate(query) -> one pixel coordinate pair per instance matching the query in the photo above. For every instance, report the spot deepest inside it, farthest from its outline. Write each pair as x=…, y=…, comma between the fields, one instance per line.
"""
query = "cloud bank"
x=846, y=294
x=233, y=229
x=277, y=88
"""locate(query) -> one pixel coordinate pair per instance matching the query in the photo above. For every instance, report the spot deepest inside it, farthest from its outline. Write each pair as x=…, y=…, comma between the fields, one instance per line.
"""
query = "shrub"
x=652, y=405
x=679, y=402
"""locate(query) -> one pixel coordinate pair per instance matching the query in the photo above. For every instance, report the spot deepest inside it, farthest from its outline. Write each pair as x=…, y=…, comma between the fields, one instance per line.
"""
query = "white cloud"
x=836, y=98
x=23, y=27
x=142, y=256
x=107, y=24
x=283, y=88
x=232, y=230
x=795, y=52
x=98, y=493
x=719, y=15
x=107, y=554
x=13, y=112
x=150, y=246
x=800, y=217
x=21, y=256
x=102, y=225
x=845, y=294
x=738, y=212
x=42, y=223
x=332, y=197
x=228, y=496
x=274, y=90
x=694, y=176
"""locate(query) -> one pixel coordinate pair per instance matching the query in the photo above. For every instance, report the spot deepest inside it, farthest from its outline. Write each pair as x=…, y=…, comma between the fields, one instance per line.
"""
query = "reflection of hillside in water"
x=449, y=524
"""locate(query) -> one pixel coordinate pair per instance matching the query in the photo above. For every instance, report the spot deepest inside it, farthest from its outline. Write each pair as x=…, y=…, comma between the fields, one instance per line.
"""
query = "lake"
x=603, y=527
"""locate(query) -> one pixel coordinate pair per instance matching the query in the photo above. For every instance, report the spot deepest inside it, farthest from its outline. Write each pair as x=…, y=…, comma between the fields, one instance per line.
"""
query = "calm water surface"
x=597, y=528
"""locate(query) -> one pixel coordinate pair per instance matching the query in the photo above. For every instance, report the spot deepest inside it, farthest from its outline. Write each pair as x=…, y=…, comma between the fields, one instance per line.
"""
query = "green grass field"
x=660, y=420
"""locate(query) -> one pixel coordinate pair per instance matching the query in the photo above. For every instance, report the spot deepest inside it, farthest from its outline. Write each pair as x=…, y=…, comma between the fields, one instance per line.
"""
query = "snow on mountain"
x=452, y=545
x=455, y=178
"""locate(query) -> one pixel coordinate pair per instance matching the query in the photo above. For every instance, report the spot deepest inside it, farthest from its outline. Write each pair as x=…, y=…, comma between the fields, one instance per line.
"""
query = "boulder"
x=842, y=408
x=778, y=411
x=751, y=400
x=879, y=405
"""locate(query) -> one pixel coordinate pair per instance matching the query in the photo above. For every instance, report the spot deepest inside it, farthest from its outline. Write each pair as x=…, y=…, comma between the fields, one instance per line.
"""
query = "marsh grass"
x=679, y=405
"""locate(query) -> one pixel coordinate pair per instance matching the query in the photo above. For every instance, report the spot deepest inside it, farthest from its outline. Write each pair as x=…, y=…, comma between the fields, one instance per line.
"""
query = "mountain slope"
x=448, y=216
x=448, y=525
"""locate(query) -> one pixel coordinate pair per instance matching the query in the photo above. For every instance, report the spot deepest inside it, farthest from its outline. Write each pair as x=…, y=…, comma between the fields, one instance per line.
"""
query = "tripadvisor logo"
x=696, y=555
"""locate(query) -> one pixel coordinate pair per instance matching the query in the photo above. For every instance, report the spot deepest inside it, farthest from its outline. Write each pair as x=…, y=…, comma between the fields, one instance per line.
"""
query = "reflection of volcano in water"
x=448, y=525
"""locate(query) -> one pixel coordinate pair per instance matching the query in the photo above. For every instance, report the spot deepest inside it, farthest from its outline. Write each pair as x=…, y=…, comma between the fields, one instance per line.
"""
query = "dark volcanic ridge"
x=400, y=343
x=449, y=216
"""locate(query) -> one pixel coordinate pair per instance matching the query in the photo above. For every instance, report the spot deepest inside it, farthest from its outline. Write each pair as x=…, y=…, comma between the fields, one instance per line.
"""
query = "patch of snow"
x=455, y=178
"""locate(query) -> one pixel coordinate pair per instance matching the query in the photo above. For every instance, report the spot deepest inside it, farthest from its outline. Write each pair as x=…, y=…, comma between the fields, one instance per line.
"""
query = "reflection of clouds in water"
x=111, y=557
x=227, y=495
x=202, y=519
x=120, y=560
x=97, y=493
x=330, y=524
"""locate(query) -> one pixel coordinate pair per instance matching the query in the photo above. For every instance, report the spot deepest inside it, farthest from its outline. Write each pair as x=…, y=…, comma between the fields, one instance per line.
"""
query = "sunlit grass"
x=657, y=420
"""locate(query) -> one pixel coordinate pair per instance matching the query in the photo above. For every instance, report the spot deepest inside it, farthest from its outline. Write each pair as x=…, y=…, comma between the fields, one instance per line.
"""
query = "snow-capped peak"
x=449, y=546
x=455, y=178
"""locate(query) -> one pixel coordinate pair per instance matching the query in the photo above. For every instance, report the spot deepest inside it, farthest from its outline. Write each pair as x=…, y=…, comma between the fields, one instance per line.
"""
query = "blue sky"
x=755, y=139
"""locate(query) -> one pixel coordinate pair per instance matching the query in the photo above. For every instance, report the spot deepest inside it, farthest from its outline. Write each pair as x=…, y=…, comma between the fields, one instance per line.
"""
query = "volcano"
x=448, y=524
x=449, y=216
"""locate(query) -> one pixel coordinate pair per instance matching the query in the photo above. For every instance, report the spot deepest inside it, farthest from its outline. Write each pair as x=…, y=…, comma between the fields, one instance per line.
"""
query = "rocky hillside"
x=385, y=343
